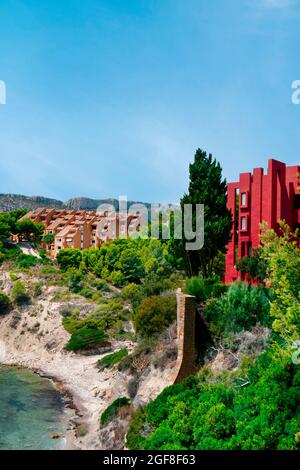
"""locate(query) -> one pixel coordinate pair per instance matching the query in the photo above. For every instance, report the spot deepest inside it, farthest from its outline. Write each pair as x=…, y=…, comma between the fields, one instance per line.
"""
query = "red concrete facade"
x=259, y=197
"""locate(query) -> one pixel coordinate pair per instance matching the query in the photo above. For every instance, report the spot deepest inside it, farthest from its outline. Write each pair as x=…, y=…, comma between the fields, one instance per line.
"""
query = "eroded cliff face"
x=33, y=336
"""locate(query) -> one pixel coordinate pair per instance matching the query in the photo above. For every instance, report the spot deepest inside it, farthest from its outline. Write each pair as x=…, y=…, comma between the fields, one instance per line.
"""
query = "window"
x=244, y=199
x=296, y=226
x=243, y=223
x=297, y=201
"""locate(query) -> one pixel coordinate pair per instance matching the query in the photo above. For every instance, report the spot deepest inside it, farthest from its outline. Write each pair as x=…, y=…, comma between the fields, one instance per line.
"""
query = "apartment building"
x=256, y=198
x=82, y=229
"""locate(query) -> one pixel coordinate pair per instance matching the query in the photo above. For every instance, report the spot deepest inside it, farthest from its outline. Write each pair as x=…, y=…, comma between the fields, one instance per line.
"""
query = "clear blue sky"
x=109, y=97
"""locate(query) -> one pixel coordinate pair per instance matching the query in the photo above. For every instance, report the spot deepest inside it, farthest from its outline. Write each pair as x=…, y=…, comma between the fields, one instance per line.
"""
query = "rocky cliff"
x=10, y=202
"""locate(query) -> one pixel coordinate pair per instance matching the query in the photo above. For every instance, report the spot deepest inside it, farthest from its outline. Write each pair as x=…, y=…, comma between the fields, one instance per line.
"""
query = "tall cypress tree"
x=209, y=188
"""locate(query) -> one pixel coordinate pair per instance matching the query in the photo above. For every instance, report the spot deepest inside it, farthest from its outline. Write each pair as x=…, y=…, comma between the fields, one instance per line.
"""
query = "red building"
x=256, y=198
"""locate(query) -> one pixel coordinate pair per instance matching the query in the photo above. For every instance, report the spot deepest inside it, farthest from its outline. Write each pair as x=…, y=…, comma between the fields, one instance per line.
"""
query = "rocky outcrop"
x=84, y=203
x=10, y=202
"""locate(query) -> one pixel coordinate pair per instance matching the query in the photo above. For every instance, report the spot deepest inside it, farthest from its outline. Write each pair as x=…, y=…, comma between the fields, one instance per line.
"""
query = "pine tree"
x=207, y=187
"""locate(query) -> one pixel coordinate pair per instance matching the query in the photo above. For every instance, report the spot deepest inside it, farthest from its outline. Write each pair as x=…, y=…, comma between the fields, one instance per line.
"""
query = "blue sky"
x=110, y=97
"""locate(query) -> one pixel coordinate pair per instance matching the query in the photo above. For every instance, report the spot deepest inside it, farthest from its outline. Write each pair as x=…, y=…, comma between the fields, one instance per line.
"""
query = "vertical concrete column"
x=186, y=325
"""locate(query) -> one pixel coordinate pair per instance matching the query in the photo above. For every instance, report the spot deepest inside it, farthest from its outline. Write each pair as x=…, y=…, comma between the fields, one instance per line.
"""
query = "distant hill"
x=10, y=202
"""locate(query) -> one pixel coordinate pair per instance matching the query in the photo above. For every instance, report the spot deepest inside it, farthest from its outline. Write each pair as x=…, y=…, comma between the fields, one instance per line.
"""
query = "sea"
x=32, y=412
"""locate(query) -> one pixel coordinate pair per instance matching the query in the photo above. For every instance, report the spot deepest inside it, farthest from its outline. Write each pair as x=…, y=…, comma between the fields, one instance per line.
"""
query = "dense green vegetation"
x=26, y=229
x=282, y=255
x=257, y=406
x=113, y=409
x=10, y=223
x=144, y=270
x=218, y=413
x=120, y=261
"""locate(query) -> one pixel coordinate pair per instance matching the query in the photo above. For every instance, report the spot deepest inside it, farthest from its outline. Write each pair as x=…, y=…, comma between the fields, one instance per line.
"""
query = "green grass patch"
x=111, y=360
x=85, y=339
x=113, y=409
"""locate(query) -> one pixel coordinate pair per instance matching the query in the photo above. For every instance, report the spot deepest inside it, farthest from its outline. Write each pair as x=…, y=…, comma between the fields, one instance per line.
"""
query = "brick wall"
x=186, y=330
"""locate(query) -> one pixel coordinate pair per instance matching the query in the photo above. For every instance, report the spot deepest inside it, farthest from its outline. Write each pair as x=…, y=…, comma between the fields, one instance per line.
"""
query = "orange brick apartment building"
x=82, y=229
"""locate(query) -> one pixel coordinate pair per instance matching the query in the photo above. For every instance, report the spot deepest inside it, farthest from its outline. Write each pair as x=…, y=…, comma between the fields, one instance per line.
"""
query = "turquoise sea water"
x=31, y=409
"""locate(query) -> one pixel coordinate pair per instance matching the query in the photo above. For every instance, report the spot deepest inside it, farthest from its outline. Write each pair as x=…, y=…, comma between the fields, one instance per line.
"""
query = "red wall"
x=269, y=198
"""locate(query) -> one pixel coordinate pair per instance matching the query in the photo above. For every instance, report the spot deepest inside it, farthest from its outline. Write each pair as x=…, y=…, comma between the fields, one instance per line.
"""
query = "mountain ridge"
x=10, y=202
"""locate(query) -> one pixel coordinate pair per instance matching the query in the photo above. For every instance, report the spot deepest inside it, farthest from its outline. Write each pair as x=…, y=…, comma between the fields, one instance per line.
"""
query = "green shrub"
x=239, y=309
x=67, y=312
x=101, y=285
x=72, y=321
x=37, y=290
x=113, y=409
x=111, y=360
x=48, y=239
x=73, y=278
x=69, y=258
x=19, y=294
x=87, y=293
x=108, y=316
x=132, y=293
x=47, y=270
x=204, y=288
x=86, y=339
x=4, y=303
x=26, y=261
x=117, y=278
x=10, y=252
x=155, y=314
x=43, y=255
x=154, y=284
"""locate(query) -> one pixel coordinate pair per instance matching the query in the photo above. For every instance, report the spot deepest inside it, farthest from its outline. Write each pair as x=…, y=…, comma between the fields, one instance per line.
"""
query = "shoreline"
x=71, y=404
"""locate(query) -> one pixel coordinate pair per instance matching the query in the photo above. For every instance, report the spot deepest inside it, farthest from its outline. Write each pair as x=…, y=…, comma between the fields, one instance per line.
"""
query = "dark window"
x=249, y=249
x=297, y=226
x=297, y=201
